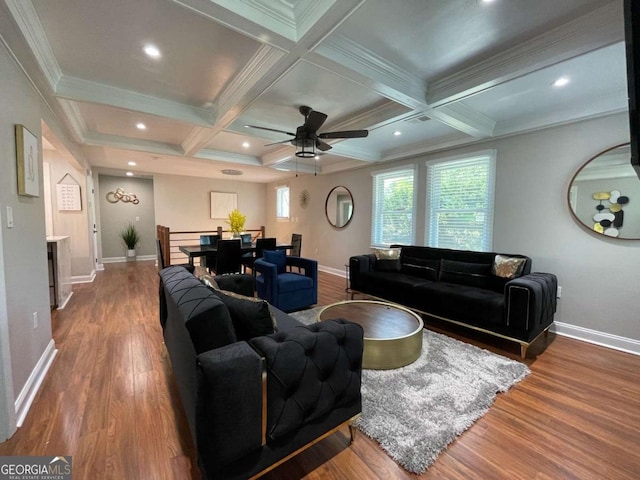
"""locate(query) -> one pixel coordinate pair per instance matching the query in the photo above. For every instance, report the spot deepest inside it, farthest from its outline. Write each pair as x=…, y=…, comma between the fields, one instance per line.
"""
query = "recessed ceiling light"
x=561, y=82
x=229, y=171
x=245, y=144
x=129, y=174
x=132, y=164
x=397, y=133
x=152, y=51
x=141, y=126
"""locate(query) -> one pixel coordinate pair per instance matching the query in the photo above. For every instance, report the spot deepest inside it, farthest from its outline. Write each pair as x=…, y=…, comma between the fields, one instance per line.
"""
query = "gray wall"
x=532, y=217
x=24, y=275
x=75, y=224
x=114, y=217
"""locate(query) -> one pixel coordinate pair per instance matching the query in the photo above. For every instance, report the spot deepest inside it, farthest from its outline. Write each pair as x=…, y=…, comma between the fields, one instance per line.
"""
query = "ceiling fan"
x=307, y=138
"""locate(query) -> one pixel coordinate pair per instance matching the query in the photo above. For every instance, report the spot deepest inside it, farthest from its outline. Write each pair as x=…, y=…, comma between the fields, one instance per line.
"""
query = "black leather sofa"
x=252, y=403
x=494, y=293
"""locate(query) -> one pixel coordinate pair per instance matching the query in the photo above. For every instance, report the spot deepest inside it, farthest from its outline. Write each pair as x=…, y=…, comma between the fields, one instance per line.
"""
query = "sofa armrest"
x=359, y=264
x=309, y=266
x=269, y=282
x=228, y=404
x=311, y=370
x=531, y=302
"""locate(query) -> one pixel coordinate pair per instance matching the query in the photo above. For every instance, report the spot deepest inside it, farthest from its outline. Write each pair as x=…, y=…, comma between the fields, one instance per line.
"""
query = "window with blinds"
x=460, y=195
x=393, y=207
x=282, y=202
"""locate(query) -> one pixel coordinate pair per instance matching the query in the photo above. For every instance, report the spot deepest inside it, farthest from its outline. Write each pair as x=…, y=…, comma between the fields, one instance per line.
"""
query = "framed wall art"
x=27, y=162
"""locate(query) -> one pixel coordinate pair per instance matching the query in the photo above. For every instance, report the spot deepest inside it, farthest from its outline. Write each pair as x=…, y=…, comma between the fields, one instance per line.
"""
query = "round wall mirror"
x=604, y=194
x=339, y=207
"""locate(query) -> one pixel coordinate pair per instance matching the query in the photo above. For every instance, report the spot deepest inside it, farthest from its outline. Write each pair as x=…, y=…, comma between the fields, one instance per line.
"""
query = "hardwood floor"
x=109, y=400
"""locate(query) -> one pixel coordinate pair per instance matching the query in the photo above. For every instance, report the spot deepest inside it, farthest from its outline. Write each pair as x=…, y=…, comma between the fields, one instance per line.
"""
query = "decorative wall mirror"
x=604, y=194
x=339, y=207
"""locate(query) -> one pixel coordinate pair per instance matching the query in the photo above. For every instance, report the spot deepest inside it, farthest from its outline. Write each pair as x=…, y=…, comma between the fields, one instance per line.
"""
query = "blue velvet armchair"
x=287, y=291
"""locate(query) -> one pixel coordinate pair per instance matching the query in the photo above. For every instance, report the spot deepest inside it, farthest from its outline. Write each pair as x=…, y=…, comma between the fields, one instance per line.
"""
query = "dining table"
x=195, y=251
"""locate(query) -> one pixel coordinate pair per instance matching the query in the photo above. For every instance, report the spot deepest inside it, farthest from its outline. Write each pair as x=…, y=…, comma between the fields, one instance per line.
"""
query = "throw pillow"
x=387, y=259
x=209, y=281
x=251, y=317
x=508, y=267
x=464, y=273
x=277, y=257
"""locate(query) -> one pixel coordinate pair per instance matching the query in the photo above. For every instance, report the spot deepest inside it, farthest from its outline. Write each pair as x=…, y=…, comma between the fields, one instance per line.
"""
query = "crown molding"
x=464, y=118
x=80, y=90
x=597, y=29
x=429, y=146
x=29, y=24
x=291, y=166
x=343, y=150
x=308, y=13
x=74, y=118
x=277, y=156
x=384, y=113
x=348, y=58
x=276, y=15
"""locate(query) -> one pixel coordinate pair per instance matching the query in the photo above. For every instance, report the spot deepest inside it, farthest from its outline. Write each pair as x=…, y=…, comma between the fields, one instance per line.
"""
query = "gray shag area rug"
x=414, y=412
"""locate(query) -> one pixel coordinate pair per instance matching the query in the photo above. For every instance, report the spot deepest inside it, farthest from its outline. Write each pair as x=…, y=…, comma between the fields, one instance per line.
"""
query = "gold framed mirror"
x=604, y=194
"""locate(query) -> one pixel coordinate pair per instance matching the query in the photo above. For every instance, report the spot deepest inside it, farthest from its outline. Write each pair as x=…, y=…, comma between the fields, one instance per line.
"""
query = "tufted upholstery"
x=198, y=308
x=310, y=372
x=535, y=297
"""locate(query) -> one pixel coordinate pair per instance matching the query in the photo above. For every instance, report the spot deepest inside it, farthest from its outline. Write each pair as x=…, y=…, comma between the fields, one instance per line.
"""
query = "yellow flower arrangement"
x=236, y=221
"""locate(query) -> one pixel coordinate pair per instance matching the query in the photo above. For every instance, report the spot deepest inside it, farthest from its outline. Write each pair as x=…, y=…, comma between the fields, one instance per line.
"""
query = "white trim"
x=66, y=300
x=332, y=271
x=100, y=267
x=84, y=278
x=604, y=339
x=31, y=387
x=139, y=258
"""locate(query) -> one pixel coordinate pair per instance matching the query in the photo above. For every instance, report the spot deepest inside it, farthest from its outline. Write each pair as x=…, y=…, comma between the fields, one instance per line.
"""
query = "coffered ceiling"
x=440, y=72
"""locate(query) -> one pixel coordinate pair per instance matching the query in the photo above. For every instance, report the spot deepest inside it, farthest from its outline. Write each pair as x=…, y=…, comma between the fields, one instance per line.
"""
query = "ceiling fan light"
x=305, y=154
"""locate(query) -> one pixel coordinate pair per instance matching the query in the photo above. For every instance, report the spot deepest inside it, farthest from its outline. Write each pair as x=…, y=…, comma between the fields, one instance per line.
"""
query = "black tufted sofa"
x=462, y=287
x=252, y=404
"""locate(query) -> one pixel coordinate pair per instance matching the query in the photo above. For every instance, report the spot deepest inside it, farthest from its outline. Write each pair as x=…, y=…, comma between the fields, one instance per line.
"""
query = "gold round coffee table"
x=392, y=333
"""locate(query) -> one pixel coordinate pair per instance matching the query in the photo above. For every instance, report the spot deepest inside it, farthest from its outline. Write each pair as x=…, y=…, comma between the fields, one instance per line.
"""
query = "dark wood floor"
x=109, y=400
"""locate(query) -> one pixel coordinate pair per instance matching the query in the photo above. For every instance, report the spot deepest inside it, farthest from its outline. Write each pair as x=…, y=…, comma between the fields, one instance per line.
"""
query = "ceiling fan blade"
x=314, y=121
x=270, y=130
x=277, y=143
x=322, y=146
x=345, y=134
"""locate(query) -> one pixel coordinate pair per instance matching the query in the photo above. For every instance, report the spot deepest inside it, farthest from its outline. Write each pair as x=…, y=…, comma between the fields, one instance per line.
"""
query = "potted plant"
x=131, y=238
x=236, y=222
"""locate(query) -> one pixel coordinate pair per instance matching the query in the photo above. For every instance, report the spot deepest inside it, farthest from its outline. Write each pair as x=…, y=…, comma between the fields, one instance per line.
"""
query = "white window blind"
x=393, y=207
x=460, y=197
x=282, y=202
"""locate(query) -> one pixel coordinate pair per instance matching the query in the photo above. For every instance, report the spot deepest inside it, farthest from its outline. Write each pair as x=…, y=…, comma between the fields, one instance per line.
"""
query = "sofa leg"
x=546, y=333
x=352, y=434
x=523, y=350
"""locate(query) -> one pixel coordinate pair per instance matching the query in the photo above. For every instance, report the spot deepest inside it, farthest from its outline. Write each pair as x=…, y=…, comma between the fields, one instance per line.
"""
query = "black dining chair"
x=245, y=239
x=208, y=261
x=228, y=257
x=296, y=246
x=160, y=258
x=262, y=244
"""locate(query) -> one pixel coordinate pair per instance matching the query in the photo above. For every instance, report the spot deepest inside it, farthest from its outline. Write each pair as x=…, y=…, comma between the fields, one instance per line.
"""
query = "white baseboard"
x=66, y=300
x=596, y=337
x=139, y=258
x=333, y=271
x=31, y=387
x=100, y=267
x=84, y=278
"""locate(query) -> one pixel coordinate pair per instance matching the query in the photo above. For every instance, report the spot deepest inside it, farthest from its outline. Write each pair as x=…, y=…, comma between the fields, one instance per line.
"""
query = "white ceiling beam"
x=350, y=60
x=291, y=166
x=429, y=146
x=126, y=143
x=597, y=29
x=229, y=104
x=218, y=155
x=463, y=118
x=85, y=91
x=76, y=122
